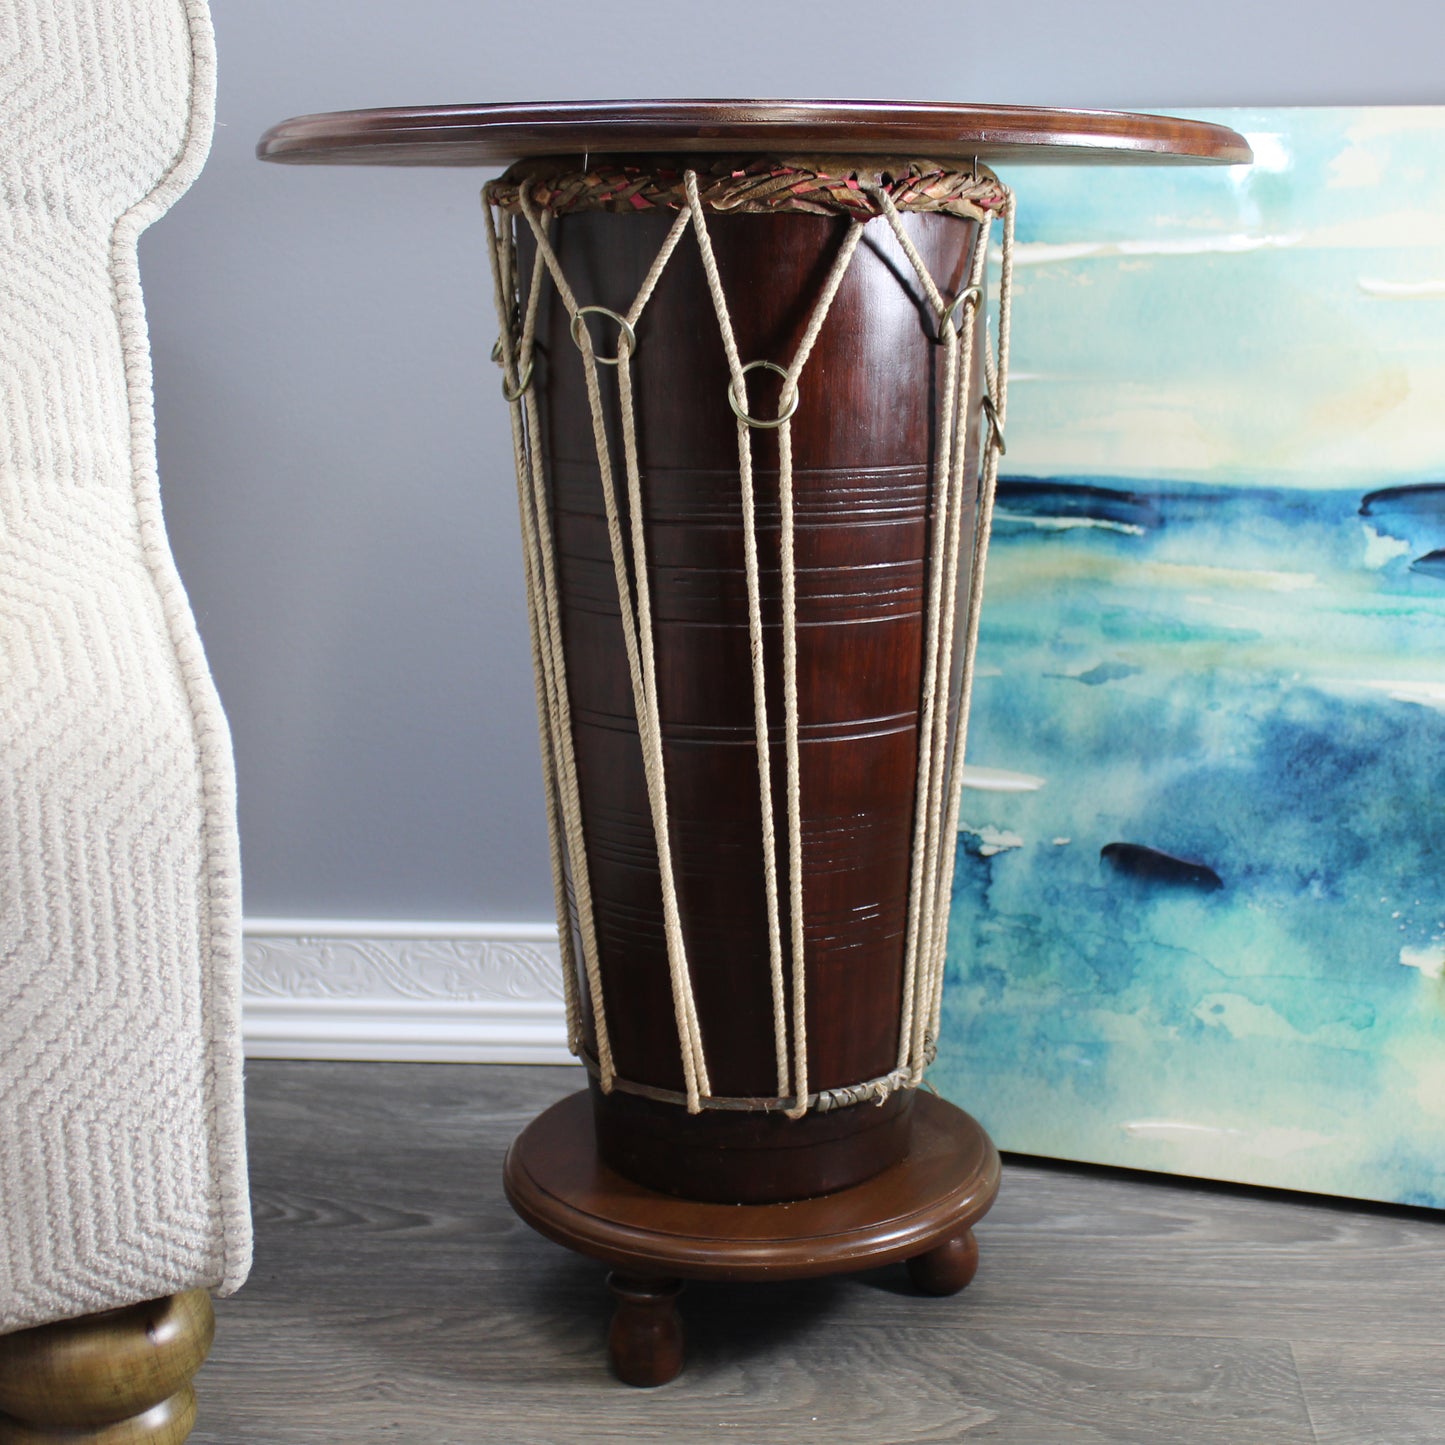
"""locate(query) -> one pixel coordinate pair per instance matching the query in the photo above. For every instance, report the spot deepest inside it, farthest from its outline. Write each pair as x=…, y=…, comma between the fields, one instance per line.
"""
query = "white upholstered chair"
x=122, y=1163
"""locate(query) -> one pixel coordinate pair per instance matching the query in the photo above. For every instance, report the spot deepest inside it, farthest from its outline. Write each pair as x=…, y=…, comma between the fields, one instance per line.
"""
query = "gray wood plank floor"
x=395, y=1298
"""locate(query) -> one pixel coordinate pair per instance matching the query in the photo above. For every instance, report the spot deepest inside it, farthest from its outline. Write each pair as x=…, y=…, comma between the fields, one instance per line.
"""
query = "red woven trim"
x=827, y=187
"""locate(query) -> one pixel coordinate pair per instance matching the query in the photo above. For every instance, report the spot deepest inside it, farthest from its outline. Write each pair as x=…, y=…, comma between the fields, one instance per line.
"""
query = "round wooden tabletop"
x=493, y=135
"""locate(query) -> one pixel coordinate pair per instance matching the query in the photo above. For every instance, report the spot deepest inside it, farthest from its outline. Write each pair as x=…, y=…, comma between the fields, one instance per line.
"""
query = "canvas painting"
x=1198, y=919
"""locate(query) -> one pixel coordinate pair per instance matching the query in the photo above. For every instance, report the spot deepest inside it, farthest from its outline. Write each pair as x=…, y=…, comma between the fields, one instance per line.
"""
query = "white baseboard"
x=423, y=992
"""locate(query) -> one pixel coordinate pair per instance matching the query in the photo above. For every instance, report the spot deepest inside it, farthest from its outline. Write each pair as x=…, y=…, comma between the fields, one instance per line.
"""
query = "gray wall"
x=333, y=447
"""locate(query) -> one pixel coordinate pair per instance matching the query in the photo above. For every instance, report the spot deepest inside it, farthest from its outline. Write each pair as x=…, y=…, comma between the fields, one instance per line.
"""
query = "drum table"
x=756, y=420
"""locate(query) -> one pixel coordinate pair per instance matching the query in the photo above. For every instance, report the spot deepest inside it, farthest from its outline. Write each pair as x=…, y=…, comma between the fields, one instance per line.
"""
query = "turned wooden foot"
x=645, y=1341
x=948, y=1266
x=118, y=1378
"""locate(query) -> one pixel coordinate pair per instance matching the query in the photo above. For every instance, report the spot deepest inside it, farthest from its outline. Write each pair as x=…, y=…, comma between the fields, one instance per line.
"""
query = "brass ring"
x=497, y=351
x=628, y=334
x=737, y=406
x=523, y=382
x=995, y=438
x=951, y=315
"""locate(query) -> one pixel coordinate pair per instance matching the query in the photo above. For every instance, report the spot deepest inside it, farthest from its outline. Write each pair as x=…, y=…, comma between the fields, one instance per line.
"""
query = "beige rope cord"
x=535, y=193
x=822, y=1102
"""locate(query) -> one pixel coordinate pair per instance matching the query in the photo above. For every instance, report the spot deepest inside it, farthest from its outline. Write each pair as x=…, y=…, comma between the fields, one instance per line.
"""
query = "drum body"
x=863, y=439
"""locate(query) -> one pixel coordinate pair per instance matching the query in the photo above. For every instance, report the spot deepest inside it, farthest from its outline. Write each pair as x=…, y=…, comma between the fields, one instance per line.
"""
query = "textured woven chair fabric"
x=122, y=1163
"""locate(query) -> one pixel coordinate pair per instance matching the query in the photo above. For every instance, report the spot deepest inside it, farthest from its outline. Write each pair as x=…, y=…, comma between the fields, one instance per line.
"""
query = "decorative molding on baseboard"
x=422, y=992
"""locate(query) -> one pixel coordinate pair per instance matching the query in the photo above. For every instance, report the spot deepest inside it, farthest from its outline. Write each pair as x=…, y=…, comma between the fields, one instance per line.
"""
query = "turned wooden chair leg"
x=948, y=1266
x=645, y=1341
x=118, y=1378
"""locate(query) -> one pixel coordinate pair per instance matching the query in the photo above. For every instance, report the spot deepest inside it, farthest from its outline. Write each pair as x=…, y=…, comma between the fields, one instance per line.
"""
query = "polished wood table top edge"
x=497, y=134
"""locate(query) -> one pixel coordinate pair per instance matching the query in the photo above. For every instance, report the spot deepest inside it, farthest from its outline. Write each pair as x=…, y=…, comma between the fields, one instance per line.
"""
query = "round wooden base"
x=921, y=1211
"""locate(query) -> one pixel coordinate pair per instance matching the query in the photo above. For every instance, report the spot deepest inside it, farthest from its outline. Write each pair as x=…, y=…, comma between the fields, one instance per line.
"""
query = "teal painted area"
x=1241, y=324
x=1228, y=663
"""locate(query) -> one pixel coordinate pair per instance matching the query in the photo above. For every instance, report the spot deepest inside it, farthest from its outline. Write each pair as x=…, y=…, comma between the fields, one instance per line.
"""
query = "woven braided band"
x=824, y=1101
x=825, y=186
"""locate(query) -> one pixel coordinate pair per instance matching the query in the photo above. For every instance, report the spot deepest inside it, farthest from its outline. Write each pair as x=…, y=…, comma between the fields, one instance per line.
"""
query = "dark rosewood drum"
x=864, y=438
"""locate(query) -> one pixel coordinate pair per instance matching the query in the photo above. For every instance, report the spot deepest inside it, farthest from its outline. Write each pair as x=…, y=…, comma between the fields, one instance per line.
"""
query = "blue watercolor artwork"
x=1198, y=919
